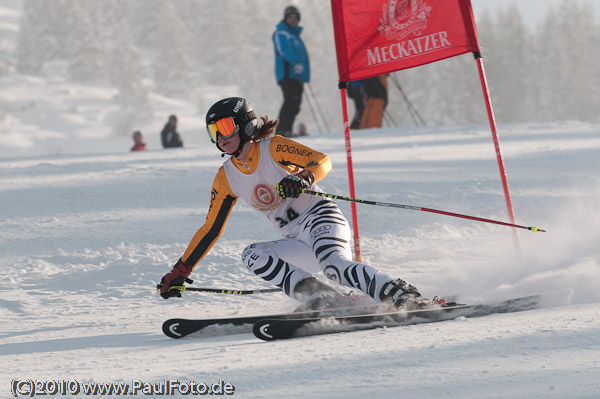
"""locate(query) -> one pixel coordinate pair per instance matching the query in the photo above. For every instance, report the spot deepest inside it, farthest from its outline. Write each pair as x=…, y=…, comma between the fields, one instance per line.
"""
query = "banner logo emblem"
x=403, y=17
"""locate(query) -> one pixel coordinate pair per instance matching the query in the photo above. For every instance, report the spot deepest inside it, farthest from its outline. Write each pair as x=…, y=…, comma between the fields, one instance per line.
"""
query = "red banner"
x=373, y=37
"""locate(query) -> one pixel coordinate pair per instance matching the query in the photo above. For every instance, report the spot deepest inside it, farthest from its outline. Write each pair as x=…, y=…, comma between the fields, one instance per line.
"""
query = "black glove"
x=291, y=186
x=171, y=285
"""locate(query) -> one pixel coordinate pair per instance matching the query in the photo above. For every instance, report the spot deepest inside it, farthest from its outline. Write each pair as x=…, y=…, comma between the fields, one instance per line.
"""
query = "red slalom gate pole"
x=357, y=255
x=492, y=120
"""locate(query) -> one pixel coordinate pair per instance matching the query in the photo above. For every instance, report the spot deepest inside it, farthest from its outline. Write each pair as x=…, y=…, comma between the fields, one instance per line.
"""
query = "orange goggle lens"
x=226, y=127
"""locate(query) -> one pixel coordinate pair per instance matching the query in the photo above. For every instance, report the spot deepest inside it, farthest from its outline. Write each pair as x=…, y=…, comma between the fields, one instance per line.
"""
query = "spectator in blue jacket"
x=292, y=68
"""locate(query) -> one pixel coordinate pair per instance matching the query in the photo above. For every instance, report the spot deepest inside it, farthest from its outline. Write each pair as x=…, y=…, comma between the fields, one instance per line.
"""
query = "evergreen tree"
x=29, y=55
x=507, y=43
x=86, y=53
x=566, y=77
x=41, y=36
x=146, y=18
x=126, y=71
x=576, y=41
x=200, y=49
x=174, y=73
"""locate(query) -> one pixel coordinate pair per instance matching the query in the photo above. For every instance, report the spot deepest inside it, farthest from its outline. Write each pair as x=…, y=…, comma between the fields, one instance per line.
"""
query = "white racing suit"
x=317, y=236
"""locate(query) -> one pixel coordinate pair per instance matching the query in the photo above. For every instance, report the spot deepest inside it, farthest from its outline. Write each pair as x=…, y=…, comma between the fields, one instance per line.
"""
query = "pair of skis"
x=290, y=325
x=293, y=325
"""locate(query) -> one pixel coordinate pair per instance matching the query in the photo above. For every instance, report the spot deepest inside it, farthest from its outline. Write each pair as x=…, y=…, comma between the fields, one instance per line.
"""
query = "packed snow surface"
x=87, y=229
x=86, y=235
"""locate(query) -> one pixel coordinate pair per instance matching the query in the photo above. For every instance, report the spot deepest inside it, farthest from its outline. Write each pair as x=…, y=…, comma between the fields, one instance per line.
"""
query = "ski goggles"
x=225, y=127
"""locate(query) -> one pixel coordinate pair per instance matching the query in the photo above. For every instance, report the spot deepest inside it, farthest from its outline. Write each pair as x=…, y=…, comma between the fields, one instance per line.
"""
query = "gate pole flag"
x=376, y=37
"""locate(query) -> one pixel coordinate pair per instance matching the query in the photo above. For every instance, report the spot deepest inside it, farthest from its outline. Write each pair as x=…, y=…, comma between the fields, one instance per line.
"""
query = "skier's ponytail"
x=265, y=129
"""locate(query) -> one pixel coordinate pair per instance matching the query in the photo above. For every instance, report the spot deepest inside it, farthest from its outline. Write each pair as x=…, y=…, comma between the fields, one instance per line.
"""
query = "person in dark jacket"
x=169, y=136
x=292, y=68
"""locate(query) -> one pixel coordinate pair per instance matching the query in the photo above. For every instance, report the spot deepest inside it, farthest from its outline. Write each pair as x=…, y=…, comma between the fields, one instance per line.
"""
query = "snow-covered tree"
x=181, y=47
x=86, y=54
x=566, y=78
x=126, y=70
x=40, y=36
x=506, y=45
x=146, y=19
x=29, y=57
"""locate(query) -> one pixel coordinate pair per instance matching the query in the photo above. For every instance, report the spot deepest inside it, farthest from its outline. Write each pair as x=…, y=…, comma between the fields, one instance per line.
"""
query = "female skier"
x=269, y=172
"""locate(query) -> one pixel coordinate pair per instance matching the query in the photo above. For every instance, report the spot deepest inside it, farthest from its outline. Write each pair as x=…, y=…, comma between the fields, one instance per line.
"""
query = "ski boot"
x=317, y=295
x=402, y=295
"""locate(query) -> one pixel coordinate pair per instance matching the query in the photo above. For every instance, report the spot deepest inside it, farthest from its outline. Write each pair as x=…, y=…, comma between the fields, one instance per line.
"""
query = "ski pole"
x=312, y=111
x=232, y=292
x=182, y=288
x=389, y=119
x=535, y=229
x=318, y=107
x=412, y=110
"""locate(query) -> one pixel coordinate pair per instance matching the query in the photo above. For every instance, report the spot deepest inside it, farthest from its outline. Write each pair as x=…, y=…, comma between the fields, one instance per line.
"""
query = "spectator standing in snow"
x=377, y=97
x=138, y=142
x=357, y=93
x=269, y=172
x=292, y=68
x=302, y=129
x=169, y=136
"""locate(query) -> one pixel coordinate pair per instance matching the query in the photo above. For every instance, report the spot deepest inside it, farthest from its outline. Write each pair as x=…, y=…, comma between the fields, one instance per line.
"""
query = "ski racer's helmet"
x=291, y=10
x=229, y=117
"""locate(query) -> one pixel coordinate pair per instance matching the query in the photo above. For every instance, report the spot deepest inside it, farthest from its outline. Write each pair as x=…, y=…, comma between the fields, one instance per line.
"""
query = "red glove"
x=291, y=186
x=171, y=285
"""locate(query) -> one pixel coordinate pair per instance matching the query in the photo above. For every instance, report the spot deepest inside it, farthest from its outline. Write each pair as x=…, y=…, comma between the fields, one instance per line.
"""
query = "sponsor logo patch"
x=320, y=231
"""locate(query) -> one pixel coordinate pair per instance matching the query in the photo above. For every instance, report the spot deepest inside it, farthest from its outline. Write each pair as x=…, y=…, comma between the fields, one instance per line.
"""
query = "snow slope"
x=87, y=229
x=85, y=236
